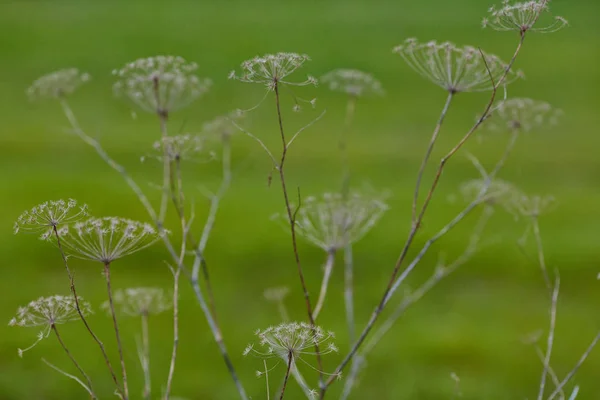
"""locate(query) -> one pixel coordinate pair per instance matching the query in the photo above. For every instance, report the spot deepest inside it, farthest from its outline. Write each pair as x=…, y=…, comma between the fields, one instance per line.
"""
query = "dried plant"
x=57, y=85
x=353, y=82
x=48, y=216
x=522, y=17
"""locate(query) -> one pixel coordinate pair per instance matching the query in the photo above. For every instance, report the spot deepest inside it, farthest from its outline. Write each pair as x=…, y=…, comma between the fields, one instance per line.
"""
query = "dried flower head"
x=522, y=17
x=532, y=206
x=107, y=239
x=189, y=147
x=456, y=69
x=292, y=341
x=160, y=84
x=223, y=126
x=57, y=84
x=44, y=217
x=522, y=114
x=496, y=192
x=353, y=82
x=276, y=294
x=140, y=301
x=273, y=69
x=46, y=312
x=333, y=220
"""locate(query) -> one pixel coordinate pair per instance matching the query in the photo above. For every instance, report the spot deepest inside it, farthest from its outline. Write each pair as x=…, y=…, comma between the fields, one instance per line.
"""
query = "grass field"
x=472, y=324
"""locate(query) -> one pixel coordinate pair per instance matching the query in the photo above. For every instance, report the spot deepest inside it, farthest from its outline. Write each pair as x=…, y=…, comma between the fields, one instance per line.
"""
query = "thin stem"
x=166, y=168
x=572, y=373
x=551, y=371
x=349, y=290
x=540, y=251
x=267, y=379
x=70, y=376
x=434, y=137
x=176, y=273
x=116, y=327
x=292, y=221
x=550, y=340
x=87, y=378
x=287, y=374
x=325, y=284
x=145, y=357
x=417, y=224
x=81, y=315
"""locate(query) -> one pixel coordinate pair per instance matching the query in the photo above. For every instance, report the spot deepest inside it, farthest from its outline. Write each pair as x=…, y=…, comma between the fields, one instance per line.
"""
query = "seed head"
x=107, y=239
x=223, y=125
x=58, y=84
x=276, y=294
x=456, y=69
x=522, y=114
x=496, y=192
x=522, y=17
x=333, y=220
x=353, y=82
x=46, y=312
x=140, y=301
x=292, y=340
x=532, y=205
x=273, y=69
x=160, y=84
x=189, y=147
x=44, y=217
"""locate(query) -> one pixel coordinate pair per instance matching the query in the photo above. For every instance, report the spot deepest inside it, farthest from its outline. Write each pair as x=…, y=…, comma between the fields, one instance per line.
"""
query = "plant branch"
x=76, y=379
x=87, y=378
x=324, y=285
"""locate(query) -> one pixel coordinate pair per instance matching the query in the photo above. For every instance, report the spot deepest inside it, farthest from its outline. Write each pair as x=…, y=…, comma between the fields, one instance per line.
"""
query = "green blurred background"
x=472, y=324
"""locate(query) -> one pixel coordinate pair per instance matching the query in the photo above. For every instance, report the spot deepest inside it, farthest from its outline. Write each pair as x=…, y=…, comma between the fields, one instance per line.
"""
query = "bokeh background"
x=472, y=324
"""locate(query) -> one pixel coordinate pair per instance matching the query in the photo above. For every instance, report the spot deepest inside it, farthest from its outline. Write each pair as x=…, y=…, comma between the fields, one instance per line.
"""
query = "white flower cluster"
x=522, y=114
x=48, y=311
x=49, y=215
x=140, y=301
x=352, y=82
x=160, y=84
x=57, y=84
x=272, y=69
x=521, y=17
x=456, y=69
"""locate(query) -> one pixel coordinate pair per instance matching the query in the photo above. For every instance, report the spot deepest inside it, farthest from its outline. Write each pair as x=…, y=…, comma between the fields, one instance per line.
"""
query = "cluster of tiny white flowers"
x=272, y=69
x=532, y=205
x=352, y=82
x=521, y=17
x=49, y=215
x=57, y=84
x=181, y=147
x=107, y=239
x=522, y=114
x=276, y=294
x=456, y=69
x=140, y=301
x=223, y=125
x=292, y=340
x=160, y=84
x=332, y=220
x=46, y=312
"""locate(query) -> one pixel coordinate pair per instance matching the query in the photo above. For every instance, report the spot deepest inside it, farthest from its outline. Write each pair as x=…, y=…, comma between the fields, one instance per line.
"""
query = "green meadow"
x=472, y=324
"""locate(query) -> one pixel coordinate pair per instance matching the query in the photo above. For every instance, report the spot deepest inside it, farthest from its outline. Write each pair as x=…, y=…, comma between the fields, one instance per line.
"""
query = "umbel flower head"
x=107, y=239
x=276, y=294
x=522, y=114
x=532, y=205
x=353, y=82
x=292, y=341
x=187, y=147
x=332, y=220
x=496, y=192
x=46, y=312
x=44, y=217
x=58, y=84
x=522, y=17
x=223, y=126
x=456, y=69
x=160, y=84
x=140, y=301
x=273, y=69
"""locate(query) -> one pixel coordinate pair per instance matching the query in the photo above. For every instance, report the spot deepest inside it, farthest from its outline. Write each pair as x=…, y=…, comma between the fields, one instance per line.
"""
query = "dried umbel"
x=160, y=84
x=332, y=220
x=291, y=341
x=107, y=239
x=276, y=294
x=456, y=69
x=522, y=17
x=141, y=301
x=353, y=82
x=44, y=217
x=189, y=147
x=532, y=205
x=46, y=312
x=522, y=114
x=273, y=69
x=223, y=125
x=58, y=84
x=496, y=192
